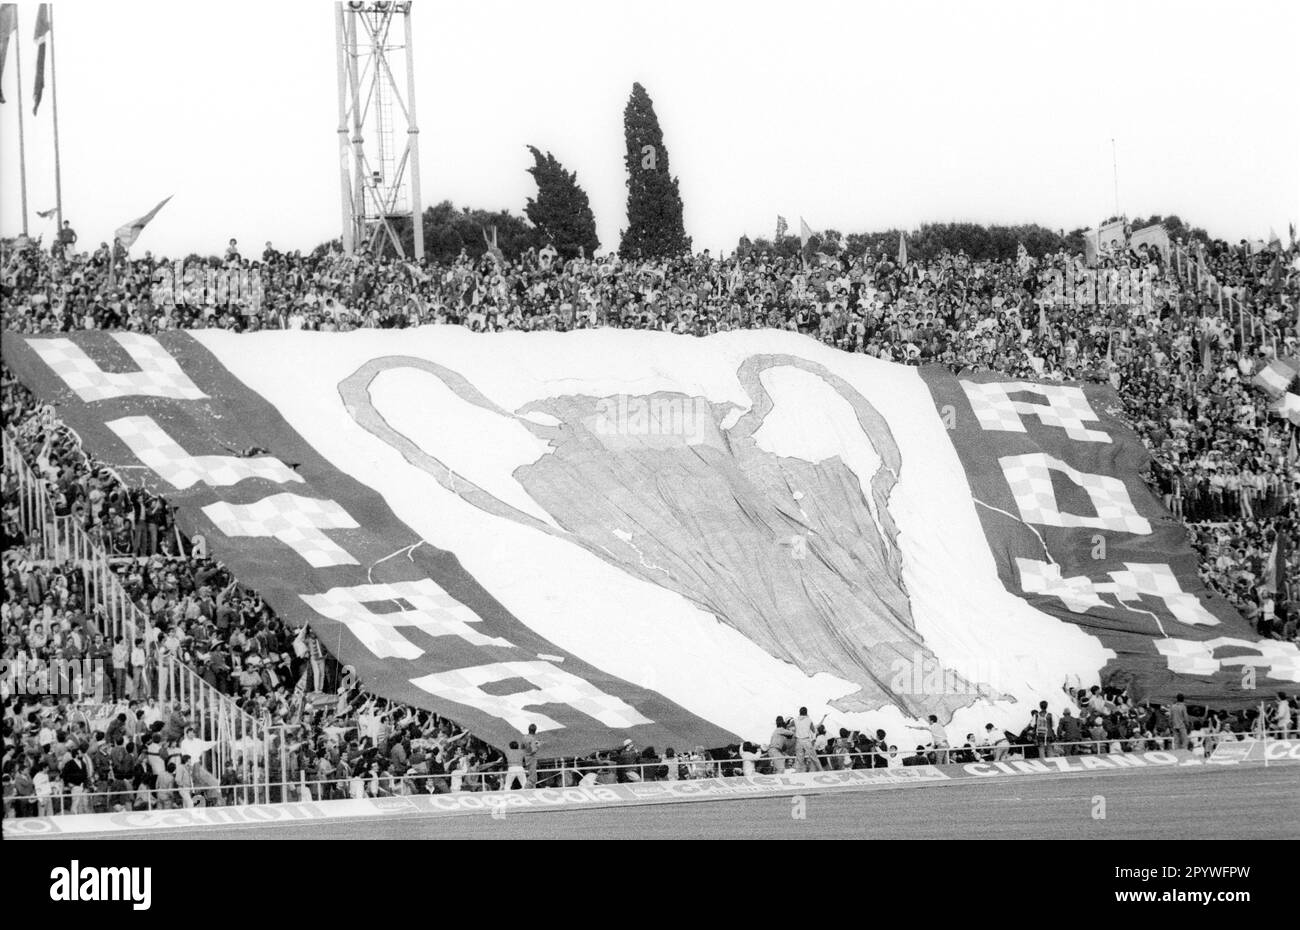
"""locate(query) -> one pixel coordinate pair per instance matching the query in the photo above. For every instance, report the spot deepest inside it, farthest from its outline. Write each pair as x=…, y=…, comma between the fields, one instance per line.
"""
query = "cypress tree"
x=561, y=211
x=654, y=204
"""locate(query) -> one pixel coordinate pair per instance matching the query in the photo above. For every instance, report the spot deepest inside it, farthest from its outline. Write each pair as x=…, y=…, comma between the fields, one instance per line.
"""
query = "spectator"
x=939, y=736
x=516, y=776
x=1179, y=722
x=1044, y=730
x=805, y=752
x=1069, y=732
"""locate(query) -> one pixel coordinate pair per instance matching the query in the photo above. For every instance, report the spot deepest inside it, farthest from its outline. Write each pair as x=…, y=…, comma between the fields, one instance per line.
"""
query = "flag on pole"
x=805, y=233
x=902, y=250
x=40, y=35
x=781, y=227
x=46, y=214
x=1274, y=241
x=1275, y=573
x=8, y=25
x=126, y=235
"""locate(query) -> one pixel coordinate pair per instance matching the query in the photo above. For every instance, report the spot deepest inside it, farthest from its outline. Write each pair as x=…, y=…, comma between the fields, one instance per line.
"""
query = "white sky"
x=855, y=114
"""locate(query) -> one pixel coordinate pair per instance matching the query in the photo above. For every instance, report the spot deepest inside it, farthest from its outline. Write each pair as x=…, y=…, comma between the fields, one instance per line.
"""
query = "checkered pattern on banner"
x=1030, y=479
x=295, y=521
x=431, y=610
x=1158, y=580
x=159, y=374
x=1079, y=593
x=150, y=443
x=553, y=686
x=1065, y=407
x=1188, y=657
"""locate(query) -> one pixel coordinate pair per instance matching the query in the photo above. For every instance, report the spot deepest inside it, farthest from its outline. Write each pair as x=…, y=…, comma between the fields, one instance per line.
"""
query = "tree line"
x=560, y=216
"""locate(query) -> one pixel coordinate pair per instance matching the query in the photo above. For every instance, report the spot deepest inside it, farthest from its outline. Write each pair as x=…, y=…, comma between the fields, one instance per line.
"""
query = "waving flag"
x=805, y=233
x=40, y=36
x=8, y=25
x=1275, y=377
x=781, y=227
x=466, y=519
x=127, y=234
x=902, y=250
x=1275, y=573
x=1288, y=406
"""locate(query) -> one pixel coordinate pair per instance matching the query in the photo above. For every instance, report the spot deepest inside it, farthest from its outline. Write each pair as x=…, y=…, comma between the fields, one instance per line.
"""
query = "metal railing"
x=34, y=508
x=1191, y=270
x=63, y=540
x=580, y=773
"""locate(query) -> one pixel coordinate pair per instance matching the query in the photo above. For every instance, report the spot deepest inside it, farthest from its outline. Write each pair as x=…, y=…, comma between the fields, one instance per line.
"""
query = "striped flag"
x=8, y=25
x=1288, y=405
x=42, y=32
x=127, y=234
x=781, y=227
x=1275, y=574
x=1274, y=378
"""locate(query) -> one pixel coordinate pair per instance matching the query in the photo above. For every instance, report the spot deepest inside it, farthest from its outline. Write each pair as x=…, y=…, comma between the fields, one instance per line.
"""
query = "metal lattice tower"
x=378, y=181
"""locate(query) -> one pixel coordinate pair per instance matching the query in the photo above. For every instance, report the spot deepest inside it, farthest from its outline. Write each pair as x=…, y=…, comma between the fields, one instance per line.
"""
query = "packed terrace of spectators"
x=1180, y=363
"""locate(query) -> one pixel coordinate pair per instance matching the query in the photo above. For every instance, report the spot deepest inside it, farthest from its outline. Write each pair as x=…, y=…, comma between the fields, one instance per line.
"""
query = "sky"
x=854, y=114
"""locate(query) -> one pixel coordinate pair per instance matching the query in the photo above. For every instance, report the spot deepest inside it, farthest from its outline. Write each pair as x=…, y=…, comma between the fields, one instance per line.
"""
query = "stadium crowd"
x=1180, y=363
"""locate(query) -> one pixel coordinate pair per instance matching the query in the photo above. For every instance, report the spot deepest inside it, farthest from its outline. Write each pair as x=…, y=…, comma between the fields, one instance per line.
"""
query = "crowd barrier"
x=577, y=774
x=1191, y=270
x=62, y=540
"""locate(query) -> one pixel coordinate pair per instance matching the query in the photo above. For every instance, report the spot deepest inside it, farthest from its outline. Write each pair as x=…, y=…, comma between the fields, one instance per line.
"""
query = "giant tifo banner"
x=615, y=534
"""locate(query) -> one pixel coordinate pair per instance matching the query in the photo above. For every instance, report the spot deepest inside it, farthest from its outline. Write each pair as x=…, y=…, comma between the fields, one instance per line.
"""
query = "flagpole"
x=22, y=137
x=54, y=96
x=1114, y=162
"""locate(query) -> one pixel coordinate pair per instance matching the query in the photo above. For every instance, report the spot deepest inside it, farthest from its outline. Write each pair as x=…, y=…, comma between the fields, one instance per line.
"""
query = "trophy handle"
x=355, y=392
x=875, y=426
